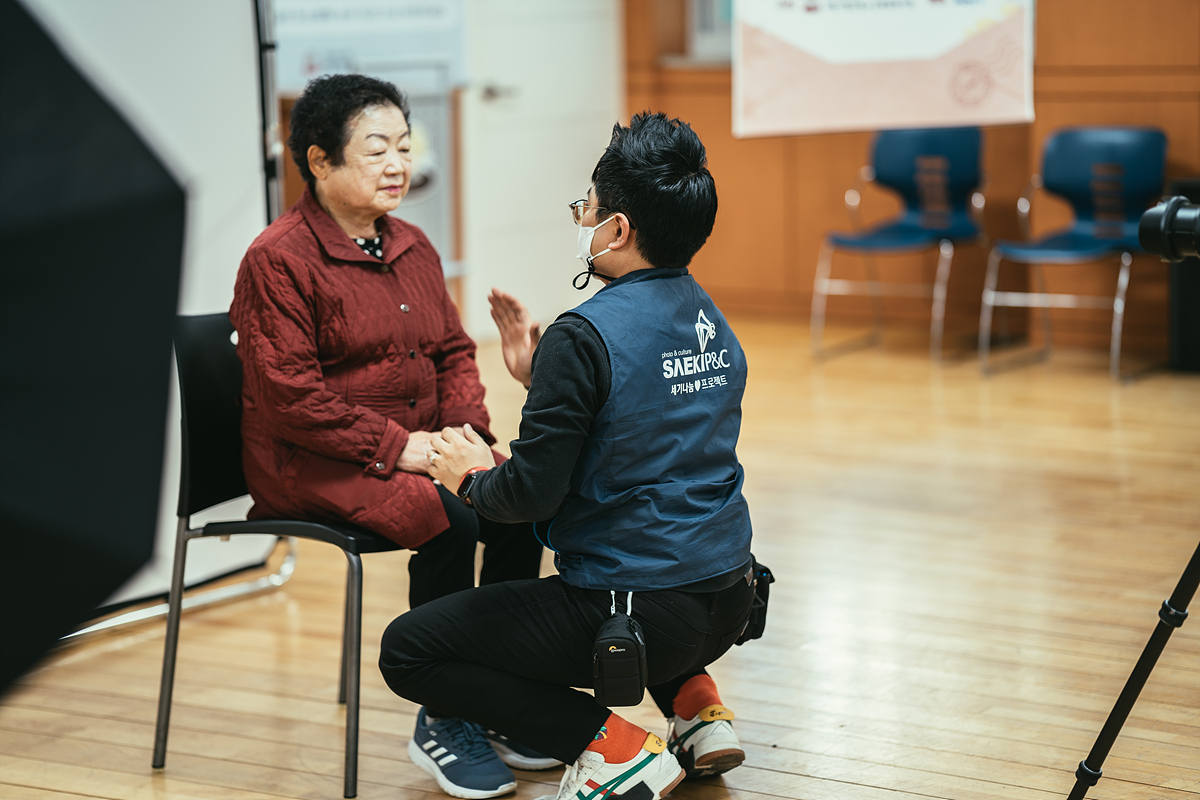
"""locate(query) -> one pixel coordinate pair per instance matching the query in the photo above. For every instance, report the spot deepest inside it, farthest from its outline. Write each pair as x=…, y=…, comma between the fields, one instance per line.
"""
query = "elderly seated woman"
x=352, y=354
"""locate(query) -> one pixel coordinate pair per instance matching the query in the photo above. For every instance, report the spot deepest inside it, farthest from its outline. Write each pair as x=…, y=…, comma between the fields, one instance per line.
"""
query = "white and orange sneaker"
x=650, y=775
x=705, y=745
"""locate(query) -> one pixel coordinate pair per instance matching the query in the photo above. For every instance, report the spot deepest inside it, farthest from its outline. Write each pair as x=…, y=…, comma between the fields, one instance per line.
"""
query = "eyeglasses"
x=579, y=208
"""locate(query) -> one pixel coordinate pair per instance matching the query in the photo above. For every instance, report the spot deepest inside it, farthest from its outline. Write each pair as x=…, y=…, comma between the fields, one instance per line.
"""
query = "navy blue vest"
x=656, y=496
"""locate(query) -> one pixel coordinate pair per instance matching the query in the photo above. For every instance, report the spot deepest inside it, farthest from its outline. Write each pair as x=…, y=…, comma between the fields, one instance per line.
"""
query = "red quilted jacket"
x=342, y=355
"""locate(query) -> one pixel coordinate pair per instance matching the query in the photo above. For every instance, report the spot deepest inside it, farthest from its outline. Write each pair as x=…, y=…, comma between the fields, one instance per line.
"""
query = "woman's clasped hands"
x=453, y=454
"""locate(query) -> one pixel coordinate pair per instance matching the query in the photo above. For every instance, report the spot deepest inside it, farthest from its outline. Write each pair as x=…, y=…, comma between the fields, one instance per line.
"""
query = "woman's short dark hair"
x=323, y=114
x=655, y=172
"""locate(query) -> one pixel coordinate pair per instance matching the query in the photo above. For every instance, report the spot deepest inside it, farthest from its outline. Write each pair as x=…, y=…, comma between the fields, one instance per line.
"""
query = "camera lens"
x=1170, y=229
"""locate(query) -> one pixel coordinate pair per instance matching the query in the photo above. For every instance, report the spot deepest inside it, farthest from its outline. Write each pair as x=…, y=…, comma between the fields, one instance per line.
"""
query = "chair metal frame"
x=824, y=285
x=351, y=540
x=209, y=597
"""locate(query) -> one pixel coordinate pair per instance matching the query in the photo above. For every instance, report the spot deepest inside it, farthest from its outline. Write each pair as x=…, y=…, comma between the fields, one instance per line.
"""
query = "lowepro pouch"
x=756, y=623
x=619, y=659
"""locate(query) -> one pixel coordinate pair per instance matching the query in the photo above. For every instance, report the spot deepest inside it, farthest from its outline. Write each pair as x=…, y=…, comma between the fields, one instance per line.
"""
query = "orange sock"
x=618, y=740
x=694, y=696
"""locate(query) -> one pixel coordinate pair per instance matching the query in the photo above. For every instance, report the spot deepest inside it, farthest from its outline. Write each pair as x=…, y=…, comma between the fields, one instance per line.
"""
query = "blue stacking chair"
x=936, y=173
x=1109, y=176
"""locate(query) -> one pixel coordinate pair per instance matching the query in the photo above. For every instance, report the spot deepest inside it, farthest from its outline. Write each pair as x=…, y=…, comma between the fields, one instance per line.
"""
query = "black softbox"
x=91, y=239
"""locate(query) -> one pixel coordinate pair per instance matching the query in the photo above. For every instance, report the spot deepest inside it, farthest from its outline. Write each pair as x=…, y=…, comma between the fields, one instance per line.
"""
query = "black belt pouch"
x=757, y=622
x=619, y=662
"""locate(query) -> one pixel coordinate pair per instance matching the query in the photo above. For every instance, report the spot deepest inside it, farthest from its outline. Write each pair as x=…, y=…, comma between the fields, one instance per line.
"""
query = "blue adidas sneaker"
x=518, y=756
x=458, y=756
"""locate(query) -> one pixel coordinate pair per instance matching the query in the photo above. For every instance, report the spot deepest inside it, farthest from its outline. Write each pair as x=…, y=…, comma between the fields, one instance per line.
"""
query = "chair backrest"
x=210, y=389
x=934, y=170
x=1108, y=175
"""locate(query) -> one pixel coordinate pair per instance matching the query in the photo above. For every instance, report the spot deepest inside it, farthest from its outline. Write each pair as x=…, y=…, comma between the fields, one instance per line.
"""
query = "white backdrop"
x=185, y=74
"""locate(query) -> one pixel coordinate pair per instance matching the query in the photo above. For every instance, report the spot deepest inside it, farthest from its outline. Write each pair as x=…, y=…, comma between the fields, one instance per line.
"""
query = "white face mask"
x=586, y=235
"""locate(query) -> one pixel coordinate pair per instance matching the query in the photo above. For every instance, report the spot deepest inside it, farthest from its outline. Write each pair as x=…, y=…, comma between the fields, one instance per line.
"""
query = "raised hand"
x=519, y=334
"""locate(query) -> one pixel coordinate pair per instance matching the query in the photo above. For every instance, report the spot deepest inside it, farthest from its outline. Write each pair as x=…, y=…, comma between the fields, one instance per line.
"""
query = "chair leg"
x=353, y=653
x=938, y=324
x=347, y=624
x=820, y=296
x=1047, y=327
x=1114, y=359
x=985, y=310
x=876, y=298
x=171, y=646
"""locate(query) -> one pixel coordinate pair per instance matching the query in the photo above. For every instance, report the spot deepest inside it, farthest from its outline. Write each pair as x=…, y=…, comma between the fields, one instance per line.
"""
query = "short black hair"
x=655, y=172
x=322, y=115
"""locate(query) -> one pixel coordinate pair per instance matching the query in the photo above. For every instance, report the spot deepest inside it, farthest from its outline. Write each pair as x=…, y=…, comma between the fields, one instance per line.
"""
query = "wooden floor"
x=967, y=568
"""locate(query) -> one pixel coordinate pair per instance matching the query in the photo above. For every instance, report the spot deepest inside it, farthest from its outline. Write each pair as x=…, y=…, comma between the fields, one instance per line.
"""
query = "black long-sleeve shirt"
x=572, y=381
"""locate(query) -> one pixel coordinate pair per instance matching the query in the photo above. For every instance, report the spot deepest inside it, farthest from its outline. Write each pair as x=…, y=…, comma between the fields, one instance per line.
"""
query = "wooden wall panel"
x=1118, y=33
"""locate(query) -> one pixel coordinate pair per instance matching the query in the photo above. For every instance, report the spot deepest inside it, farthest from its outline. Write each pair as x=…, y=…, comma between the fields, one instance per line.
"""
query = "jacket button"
x=412, y=403
x=404, y=307
x=412, y=353
x=384, y=268
x=380, y=466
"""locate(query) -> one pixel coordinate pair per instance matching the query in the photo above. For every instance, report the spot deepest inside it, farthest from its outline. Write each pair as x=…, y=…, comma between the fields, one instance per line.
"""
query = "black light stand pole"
x=264, y=14
x=1170, y=616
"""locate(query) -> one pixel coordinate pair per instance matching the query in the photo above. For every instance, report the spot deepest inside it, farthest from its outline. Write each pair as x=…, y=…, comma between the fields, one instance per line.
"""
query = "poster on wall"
x=824, y=66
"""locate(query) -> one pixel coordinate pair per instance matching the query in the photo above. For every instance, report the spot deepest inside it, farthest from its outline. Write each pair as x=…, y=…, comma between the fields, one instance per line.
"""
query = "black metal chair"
x=210, y=382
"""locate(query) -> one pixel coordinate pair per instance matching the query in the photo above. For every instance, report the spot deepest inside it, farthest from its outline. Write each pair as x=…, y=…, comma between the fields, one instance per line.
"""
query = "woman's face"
x=376, y=168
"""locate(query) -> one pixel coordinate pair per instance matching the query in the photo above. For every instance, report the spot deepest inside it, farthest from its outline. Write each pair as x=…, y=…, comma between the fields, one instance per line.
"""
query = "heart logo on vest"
x=705, y=330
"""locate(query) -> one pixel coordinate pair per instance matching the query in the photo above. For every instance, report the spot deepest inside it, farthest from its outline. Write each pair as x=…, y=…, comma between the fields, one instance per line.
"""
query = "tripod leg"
x=1170, y=616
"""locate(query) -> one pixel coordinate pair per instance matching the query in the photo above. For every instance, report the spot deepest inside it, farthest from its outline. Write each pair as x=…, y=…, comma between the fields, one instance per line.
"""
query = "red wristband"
x=464, y=485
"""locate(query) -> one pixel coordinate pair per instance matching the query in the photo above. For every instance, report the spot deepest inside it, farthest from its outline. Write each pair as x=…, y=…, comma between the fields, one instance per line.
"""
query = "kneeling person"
x=626, y=461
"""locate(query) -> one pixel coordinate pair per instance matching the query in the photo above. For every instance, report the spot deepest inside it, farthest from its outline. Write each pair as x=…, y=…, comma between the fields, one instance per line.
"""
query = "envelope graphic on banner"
x=830, y=67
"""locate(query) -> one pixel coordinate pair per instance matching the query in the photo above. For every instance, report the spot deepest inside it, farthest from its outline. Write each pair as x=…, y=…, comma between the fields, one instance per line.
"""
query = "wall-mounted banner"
x=819, y=66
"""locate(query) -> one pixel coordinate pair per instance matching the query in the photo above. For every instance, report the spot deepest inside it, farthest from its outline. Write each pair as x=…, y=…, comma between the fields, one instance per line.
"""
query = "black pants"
x=506, y=655
x=446, y=563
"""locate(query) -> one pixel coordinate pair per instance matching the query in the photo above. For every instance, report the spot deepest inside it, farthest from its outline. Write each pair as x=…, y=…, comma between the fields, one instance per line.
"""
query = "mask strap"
x=591, y=260
x=587, y=277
